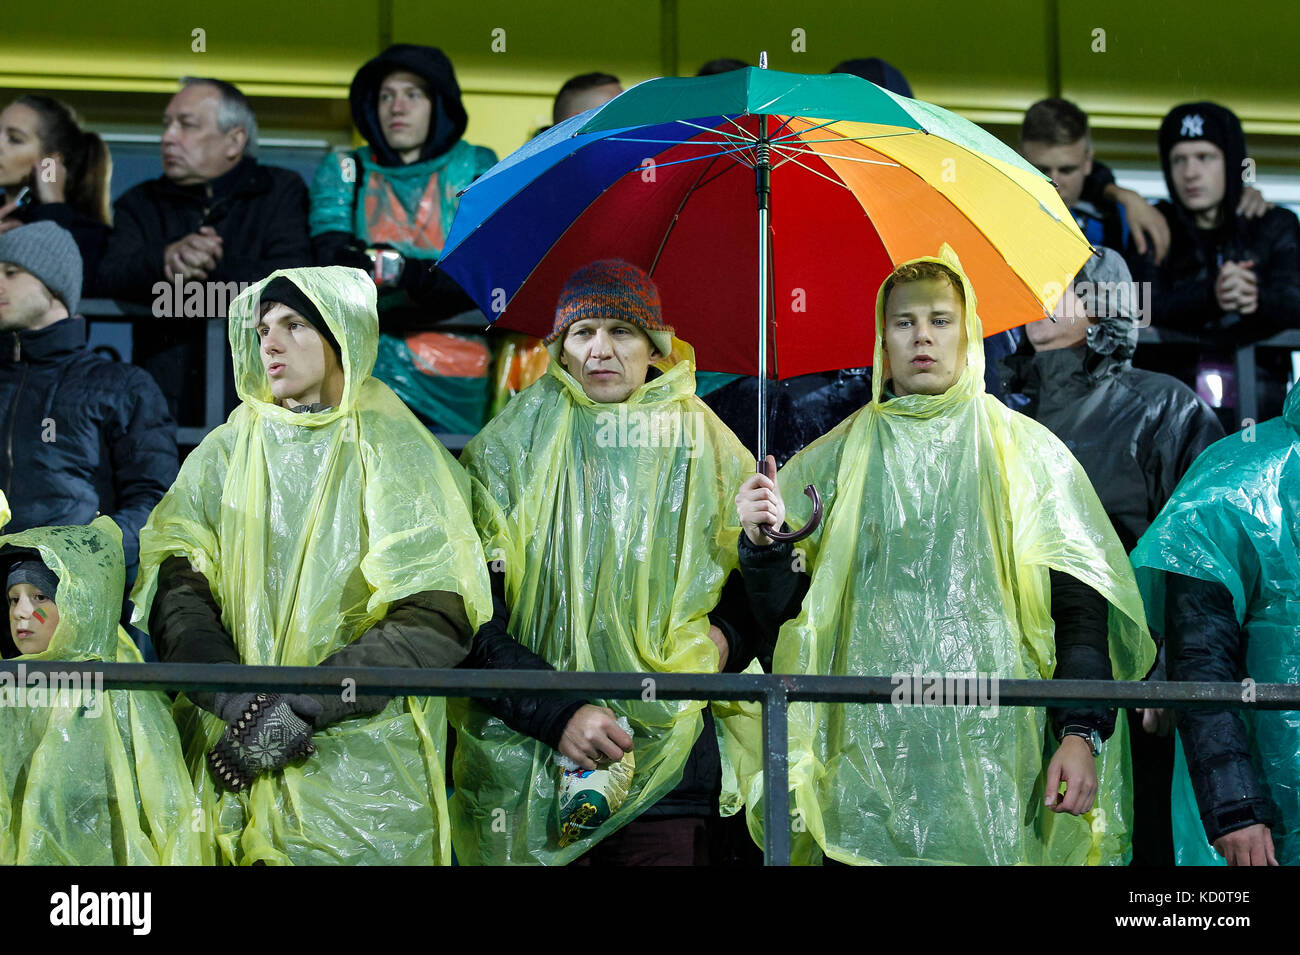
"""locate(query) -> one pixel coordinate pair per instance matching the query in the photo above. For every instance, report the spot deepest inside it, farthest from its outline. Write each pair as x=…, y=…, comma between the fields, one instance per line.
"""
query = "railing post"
x=1247, y=385
x=216, y=345
x=776, y=774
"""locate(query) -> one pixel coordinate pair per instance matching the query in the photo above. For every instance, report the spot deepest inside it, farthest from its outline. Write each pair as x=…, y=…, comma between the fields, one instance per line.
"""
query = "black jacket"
x=800, y=409
x=544, y=718
x=1182, y=290
x=259, y=211
x=83, y=435
x=1206, y=644
x=1135, y=432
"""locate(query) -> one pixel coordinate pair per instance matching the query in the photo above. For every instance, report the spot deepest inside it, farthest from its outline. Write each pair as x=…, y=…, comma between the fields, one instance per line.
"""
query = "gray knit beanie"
x=50, y=253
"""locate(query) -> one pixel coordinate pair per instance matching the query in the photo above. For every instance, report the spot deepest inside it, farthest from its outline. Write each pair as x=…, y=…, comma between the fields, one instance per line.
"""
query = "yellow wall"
x=986, y=60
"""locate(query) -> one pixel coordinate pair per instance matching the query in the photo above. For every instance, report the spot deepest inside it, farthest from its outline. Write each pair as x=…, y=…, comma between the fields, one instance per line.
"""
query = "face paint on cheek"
x=39, y=614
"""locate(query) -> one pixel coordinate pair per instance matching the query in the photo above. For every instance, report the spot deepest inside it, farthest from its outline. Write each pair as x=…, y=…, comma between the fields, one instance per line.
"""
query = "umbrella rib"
x=811, y=170
x=731, y=153
x=671, y=142
x=796, y=135
x=869, y=162
x=748, y=137
x=744, y=133
x=673, y=221
x=856, y=139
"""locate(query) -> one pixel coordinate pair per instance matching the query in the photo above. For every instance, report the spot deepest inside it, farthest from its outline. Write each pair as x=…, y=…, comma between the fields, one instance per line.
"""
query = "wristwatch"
x=1087, y=733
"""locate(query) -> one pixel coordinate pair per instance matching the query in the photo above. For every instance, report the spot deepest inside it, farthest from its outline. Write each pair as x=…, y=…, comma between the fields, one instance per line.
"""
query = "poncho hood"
x=971, y=380
x=346, y=300
x=89, y=564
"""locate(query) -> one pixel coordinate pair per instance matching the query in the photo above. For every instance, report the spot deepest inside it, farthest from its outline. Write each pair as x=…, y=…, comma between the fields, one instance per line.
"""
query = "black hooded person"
x=1229, y=280
x=387, y=207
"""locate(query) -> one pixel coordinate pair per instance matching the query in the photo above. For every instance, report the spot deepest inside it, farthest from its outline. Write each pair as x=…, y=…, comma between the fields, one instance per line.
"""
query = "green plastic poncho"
x=1235, y=519
x=408, y=208
x=89, y=776
x=308, y=526
x=615, y=526
x=943, y=516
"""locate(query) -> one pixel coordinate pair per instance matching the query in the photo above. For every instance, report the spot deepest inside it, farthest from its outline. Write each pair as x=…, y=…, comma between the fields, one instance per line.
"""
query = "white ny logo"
x=1193, y=126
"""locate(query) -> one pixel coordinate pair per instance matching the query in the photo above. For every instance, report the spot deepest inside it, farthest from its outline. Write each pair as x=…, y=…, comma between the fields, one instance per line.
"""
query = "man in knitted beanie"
x=608, y=329
x=603, y=496
x=86, y=435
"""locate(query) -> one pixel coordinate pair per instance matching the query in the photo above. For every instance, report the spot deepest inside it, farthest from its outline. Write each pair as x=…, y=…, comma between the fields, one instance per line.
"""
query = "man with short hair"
x=603, y=496
x=85, y=435
x=1054, y=138
x=1229, y=280
x=321, y=525
x=215, y=215
x=959, y=539
x=583, y=92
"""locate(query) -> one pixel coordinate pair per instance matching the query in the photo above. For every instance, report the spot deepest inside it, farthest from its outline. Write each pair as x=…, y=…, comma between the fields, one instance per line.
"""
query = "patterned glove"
x=266, y=736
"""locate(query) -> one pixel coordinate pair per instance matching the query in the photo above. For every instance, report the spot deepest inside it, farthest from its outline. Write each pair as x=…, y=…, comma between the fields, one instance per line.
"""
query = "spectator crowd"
x=1082, y=516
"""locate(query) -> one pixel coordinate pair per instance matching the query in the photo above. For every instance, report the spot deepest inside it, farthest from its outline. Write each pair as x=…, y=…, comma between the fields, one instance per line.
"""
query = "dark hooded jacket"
x=1183, y=285
x=370, y=197
x=1135, y=432
x=84, y=435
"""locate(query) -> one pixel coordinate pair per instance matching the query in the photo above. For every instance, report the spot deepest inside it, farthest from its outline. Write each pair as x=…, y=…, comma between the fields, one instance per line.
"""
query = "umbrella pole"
x=763, y=187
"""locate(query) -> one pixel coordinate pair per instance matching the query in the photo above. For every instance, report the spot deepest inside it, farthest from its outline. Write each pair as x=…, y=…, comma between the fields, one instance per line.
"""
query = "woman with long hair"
x=50, y=168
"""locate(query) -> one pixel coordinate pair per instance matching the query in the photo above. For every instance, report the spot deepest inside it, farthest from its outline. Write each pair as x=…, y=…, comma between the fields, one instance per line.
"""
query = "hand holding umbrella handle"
x=808, y=528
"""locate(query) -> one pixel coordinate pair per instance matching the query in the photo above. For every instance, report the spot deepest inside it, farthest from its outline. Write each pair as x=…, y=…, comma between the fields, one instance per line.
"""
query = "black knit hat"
x=284, y=292
x=1213, y=123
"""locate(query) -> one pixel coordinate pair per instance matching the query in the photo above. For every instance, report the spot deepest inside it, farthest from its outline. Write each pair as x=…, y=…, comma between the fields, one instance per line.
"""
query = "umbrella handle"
x=808, y=528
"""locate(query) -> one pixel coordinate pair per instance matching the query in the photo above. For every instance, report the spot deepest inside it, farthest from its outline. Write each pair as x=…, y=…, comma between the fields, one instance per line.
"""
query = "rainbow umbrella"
x=768, y=207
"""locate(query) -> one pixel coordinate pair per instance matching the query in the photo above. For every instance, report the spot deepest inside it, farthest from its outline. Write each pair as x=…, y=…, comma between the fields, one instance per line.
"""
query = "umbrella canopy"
x=664, y=177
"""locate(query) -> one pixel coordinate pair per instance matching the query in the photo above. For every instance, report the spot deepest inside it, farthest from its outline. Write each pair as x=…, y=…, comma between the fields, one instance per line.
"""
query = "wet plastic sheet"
x=308, y=526
x=944, y=515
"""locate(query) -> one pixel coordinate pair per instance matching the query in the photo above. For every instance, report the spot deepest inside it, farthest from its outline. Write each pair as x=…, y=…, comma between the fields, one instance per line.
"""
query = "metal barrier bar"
x=403, y=681
x=773, y=691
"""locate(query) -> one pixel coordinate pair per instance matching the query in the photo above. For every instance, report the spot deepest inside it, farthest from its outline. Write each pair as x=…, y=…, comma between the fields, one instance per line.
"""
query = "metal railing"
x=773, y=691
x=1243, y=360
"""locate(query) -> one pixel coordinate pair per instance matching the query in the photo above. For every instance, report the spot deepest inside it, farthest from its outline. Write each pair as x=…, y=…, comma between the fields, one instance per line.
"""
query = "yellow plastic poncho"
x=89, y=776
x=308, y=526
x=943, y=516
x=615, y=538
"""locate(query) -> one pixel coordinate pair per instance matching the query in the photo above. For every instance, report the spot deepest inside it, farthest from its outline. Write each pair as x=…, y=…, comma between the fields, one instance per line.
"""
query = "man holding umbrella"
x=603, y=495
x=959, y=538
